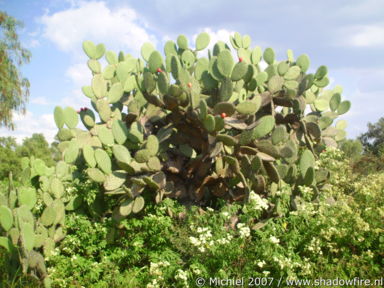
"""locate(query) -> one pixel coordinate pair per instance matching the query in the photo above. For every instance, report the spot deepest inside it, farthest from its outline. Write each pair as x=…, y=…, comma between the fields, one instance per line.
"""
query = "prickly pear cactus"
x=180, y=125
x=32, y=218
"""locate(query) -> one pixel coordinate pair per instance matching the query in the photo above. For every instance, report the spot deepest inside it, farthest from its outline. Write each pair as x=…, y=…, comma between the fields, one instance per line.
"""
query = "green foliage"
x=14, y=88
x=373, y=139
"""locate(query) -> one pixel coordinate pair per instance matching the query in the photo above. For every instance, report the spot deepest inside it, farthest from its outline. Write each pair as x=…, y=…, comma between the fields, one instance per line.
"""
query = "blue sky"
x=345, y=35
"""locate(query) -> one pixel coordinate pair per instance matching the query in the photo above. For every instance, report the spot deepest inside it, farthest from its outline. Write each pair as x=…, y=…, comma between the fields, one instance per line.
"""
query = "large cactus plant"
x=177, y=125
x=180, y=125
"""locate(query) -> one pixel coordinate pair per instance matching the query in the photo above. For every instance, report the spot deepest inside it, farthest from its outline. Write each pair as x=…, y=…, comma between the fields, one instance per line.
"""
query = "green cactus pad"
x=155, y=61
x=188, y=59
x=321, y=104
x=290, y=56
x=71, y=153
x=203, y=110
x=226, y=89
x=224, y=107
x=6, y=218
x=138, y=204
x=292, y=73
x=313, y=130
x=122, y=154
x=48, y=217
x=146, y=50
x=202, y=41
x=115, y=93
x=109, y=72
x=93, y=51
x=143, y=155
x=266, y=124
x=27, y=196
x=119, y=131
x=279, y=134
x=182, y=42
x=335, y=101
x=303, y=62
x=219, y=123
x=104, y=110
x=126, y=207
x=27, y=235
x=70, y=117
x=89, y=156
x=163, y=83
x=111, y=57
x=94, y=65
x=99, y=86
x=321, y=72
x=103, y=161
x=306, y=160
x=105, y=135
x=48, y=247
x=115, y=180
x=275, y=83
x=256, y=55
x=209, y=123
x=59, y=117
x=309, y=177
x=6, y=243
x=325, y=122
x=170, y=48
x=269, y=56
x=124, y=68
x=249, y=107
x=96, y=175
x=154, y=164
x=226, y=139
x=225, y=63
x=14, y=235
x=57, y=187
x=272, y=171
x=344, y=107
x=149, y=82
x=291, y=84
x=282, y=68
x=152, y=144
x=130, y=83
x=239, y=71
x=88, y=118
x=322, y=83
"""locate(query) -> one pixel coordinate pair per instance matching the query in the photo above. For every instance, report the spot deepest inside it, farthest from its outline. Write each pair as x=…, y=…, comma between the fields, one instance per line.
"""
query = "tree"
x=14, y=89
x=373, y=139
x=352, y=149
x=9, y=160
x=38, y=147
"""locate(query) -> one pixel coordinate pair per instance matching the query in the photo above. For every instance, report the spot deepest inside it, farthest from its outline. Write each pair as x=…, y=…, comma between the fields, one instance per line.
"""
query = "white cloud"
x=76, y=100
x=79, y=74
x=39, y=101
x=363, y=36
x=121, y=28
x=28, y=124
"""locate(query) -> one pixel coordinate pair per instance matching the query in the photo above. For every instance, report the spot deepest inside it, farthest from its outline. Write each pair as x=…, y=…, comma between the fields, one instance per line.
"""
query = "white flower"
x=182, y=275
x=243, y=230
x=260, y=264
x=274, y=240
x=256, y=202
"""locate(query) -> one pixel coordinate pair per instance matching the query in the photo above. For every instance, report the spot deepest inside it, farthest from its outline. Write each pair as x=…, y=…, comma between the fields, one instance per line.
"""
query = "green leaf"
x=202, y=41
x=6, y=218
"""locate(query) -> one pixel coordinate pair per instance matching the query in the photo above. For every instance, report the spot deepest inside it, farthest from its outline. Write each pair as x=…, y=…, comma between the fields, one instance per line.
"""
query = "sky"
x=345, y=35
